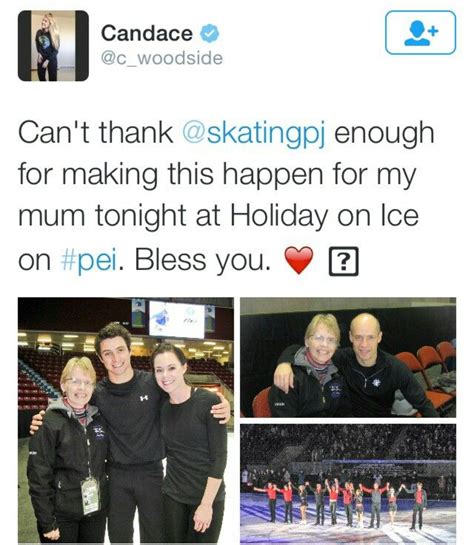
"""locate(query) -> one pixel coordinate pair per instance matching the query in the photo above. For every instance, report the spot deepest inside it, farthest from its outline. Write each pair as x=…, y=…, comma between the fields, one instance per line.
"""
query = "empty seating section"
x=433, y=367
x=211, y=366
x=440, y=400
x=33, y=390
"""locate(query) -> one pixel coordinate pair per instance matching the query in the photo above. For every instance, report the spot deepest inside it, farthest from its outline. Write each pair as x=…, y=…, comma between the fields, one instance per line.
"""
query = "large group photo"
x=125, y=420
x=339, y=357
x=348, y=483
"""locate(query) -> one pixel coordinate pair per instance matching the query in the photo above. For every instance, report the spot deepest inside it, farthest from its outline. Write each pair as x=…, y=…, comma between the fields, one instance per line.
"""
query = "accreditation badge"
x=90, y=496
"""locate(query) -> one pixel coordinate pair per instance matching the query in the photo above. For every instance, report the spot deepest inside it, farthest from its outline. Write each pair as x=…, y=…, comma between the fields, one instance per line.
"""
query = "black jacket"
x=308, y=398
x=59, y=460
x=372, y=390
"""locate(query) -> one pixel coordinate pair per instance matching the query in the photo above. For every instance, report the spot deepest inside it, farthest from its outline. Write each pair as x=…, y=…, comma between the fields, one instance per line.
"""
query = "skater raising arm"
x=271, y=492
x=420, y=504
x=333, y=494
x=376, y=494
x=392, y=496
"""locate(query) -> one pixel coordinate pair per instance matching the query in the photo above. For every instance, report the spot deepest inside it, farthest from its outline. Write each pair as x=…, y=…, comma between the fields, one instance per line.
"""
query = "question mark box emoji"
x=343, y=261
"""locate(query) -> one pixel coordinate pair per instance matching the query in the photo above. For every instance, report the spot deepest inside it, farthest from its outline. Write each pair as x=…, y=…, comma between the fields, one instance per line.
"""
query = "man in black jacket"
x=372, y=376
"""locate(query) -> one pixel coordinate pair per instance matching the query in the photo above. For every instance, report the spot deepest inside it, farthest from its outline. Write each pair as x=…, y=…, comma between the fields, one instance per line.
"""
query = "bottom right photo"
x=348, y=483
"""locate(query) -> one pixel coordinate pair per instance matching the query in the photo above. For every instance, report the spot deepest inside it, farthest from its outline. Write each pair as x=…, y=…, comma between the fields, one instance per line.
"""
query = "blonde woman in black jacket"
x=66, y=464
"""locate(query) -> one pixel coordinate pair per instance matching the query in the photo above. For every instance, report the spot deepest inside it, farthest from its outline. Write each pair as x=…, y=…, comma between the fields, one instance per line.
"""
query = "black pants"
x=348, y=510
x=52, y=70
x=90, y=529
x=417, y=508
x=333, y=508
x=272, y=506
x=179, y=523
x=132, y=489
x=288, y=511
x=320, y=513
x=375, y=512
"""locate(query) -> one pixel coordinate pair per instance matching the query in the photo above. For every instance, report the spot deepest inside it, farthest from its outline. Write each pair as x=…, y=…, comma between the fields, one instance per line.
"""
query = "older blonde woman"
x=66, y=465
x=47, y=45
x=319, y=390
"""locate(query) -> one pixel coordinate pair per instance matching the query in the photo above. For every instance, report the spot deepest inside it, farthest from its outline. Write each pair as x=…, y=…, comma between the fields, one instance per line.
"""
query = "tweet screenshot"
x=236, y=270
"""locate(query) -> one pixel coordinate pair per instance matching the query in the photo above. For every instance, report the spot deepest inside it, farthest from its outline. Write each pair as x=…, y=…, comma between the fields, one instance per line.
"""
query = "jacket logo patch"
x=376, y=382
x=144, y=398
x=99, y=432
x=336, y=390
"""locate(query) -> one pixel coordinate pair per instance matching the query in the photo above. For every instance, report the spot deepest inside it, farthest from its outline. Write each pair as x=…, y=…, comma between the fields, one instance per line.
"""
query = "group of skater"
x=353, y=500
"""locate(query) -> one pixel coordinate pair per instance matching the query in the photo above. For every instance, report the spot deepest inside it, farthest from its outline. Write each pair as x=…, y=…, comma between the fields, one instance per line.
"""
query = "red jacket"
x=370, y=490
x=347, y=496
x=287, y=494
x=271, y=493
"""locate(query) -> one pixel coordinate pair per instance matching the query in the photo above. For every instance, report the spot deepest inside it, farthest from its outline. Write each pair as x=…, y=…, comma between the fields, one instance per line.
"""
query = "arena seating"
x=260, y=404
x=213, y=367
x=440, y=400
x=433, y=365
x=448, y=354
x=33, y=389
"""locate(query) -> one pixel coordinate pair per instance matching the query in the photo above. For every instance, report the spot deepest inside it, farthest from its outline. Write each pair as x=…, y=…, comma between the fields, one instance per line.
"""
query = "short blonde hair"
x=83, y=363
x=327, y=320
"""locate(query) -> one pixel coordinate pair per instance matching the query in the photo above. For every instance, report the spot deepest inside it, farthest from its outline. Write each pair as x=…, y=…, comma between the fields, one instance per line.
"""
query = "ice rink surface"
x=439, y=524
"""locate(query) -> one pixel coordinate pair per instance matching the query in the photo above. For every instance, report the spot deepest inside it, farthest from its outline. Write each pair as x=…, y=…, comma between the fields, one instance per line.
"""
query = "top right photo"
x=348, y=357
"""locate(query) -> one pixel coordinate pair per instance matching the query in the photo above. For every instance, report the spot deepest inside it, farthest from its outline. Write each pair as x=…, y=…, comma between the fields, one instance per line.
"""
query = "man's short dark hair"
x=114, y=329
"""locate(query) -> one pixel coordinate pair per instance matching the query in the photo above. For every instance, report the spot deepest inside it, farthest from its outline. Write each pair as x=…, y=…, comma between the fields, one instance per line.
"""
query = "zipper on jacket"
x=88, y=447
x=367, y=378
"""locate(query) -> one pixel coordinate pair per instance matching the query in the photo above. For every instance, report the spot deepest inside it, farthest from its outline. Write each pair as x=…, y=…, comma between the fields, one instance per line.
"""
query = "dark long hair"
x=163, y=348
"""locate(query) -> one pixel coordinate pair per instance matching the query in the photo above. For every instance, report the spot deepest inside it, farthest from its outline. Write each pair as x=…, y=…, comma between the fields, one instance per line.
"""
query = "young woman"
x=47, y=45
x=333, y=494
x=66, y=465
x=359, y=506
x=392, y=503
x=303, y=494
x=196, y=453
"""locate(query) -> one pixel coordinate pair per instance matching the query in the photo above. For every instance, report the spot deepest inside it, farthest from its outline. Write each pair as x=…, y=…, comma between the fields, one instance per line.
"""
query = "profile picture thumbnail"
x=53, y=46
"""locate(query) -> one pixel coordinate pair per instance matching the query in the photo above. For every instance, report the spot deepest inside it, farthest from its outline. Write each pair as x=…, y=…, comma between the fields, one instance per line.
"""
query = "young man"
x=376, y=494
x=421, y=502
x=130, y=401
x=347, y=497
x=319, y=497
x=271, y=492
x=287, y=492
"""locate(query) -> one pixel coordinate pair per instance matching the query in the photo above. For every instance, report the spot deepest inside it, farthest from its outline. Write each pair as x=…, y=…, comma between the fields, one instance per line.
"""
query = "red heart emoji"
x=298, y=260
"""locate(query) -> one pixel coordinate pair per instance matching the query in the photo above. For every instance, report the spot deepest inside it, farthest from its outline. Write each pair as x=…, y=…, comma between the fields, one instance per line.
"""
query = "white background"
x=297, y=62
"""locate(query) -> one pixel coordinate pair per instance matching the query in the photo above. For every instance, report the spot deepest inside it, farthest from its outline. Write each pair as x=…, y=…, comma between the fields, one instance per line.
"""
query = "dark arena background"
x=394, y=453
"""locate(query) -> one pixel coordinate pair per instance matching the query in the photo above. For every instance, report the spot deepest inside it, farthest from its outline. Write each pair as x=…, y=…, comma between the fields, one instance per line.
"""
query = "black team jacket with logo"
x=309, y=398
x=58, y=461
x=372, y=389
